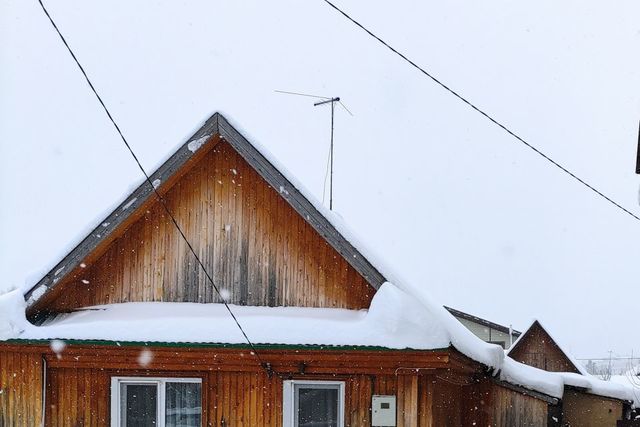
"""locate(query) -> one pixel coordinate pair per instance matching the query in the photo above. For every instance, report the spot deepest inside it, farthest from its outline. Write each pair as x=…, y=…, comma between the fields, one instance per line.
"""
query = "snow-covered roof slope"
x=554, y=383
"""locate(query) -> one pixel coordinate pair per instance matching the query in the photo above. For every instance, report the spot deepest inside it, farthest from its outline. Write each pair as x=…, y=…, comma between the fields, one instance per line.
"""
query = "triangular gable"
x=536, y=347
x=215, y=130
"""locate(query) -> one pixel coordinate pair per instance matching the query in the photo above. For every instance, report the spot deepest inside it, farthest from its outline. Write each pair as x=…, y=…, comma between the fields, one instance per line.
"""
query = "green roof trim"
x=19, y=341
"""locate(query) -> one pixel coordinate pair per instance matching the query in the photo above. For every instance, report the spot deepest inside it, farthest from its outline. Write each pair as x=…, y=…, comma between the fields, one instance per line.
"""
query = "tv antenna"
x=324, y=100
x=638, y=153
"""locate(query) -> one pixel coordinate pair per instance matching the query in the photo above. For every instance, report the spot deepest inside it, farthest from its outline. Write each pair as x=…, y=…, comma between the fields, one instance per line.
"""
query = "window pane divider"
x=161, y=390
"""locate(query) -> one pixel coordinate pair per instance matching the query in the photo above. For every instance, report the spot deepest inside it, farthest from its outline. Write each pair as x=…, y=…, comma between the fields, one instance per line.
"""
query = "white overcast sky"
x=452, y=202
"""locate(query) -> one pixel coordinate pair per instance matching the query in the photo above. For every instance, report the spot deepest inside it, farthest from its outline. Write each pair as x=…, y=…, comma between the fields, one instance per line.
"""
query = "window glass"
x=317, y=406
x=138, y=403
x=182, y=404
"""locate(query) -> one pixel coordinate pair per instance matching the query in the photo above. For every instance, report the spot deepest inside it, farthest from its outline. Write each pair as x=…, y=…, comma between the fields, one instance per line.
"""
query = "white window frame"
x=288, y=396
x=160, y=383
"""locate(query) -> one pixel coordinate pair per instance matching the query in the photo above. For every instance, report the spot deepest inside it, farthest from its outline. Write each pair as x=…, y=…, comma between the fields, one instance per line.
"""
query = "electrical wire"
x=254, y=351
x=483, y=113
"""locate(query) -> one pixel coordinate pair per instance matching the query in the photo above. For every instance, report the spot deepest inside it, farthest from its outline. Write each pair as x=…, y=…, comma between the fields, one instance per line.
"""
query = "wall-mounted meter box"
x=383, y=411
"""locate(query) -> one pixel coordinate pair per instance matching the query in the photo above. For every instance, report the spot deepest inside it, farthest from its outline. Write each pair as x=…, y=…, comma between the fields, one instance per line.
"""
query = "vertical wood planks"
x=21, y=389
x=252, y=242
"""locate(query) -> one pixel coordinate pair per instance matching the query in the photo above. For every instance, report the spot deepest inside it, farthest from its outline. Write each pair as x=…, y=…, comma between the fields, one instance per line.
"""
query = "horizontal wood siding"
x=20, y=389
x=257, y=248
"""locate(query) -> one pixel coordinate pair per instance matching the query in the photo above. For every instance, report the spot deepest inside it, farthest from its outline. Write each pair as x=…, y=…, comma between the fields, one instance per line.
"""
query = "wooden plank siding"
x=82, y=396
x=536, y=348
x=237, y=390
x=253, y=243
x=20, y=389
x=215, y=129
x=510, y=408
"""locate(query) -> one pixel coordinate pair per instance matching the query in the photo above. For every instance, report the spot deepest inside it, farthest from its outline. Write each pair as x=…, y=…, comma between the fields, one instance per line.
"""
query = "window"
x=156, y=402
x=313, y=404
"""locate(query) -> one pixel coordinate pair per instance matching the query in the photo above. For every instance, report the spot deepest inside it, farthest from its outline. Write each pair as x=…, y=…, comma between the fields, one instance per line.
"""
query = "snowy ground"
x=478, y=221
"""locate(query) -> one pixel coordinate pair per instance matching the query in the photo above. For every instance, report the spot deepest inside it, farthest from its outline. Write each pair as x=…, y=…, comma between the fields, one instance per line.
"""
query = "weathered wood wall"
x=77, y=397
x=20, y=389
x=82, y=396
x=587, y=410
x=538, y=349
x=510, y=408
x=235, y=389
x=253, y=243
x=489, y=404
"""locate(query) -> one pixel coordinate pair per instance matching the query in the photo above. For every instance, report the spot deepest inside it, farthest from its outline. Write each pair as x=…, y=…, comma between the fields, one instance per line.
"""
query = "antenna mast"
x=332, y=101
x=333, y=107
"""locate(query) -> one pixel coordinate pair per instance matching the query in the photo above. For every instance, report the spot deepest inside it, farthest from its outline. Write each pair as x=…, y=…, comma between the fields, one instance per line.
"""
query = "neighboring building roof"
x=484, y=322
x=536, y=325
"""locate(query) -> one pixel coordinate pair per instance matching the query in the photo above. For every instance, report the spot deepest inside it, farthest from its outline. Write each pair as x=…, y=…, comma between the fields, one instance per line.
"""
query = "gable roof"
x=537, y=324
x=216, y=127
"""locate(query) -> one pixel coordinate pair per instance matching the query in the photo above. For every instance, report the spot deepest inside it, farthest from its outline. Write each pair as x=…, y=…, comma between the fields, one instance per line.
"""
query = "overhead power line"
x=266, y=366
x=483, y=113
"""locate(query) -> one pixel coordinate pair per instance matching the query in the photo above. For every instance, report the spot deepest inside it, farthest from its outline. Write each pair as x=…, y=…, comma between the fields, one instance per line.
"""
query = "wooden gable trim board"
x=215, y=129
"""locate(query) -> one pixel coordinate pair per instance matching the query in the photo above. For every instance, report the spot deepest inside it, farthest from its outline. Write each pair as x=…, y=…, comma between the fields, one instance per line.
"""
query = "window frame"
x=289, y=399
x=161, y=386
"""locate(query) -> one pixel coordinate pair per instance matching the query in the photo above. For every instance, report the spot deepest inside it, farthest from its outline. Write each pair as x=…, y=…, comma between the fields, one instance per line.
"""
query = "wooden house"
x=129, y=330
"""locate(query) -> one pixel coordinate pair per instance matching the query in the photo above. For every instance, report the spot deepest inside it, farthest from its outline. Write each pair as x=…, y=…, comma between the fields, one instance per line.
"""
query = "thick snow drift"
x=394, y=320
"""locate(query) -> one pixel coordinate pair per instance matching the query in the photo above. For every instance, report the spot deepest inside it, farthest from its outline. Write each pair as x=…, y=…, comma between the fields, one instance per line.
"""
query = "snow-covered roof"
x=402, y=315
x=393, y=321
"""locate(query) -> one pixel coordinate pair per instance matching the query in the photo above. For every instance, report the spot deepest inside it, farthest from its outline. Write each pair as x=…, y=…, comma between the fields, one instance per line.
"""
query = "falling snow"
x=145, y=357
x=57, y=346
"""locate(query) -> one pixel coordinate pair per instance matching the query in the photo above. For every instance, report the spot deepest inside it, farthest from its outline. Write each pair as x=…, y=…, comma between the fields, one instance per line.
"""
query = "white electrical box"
x=383, y=411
